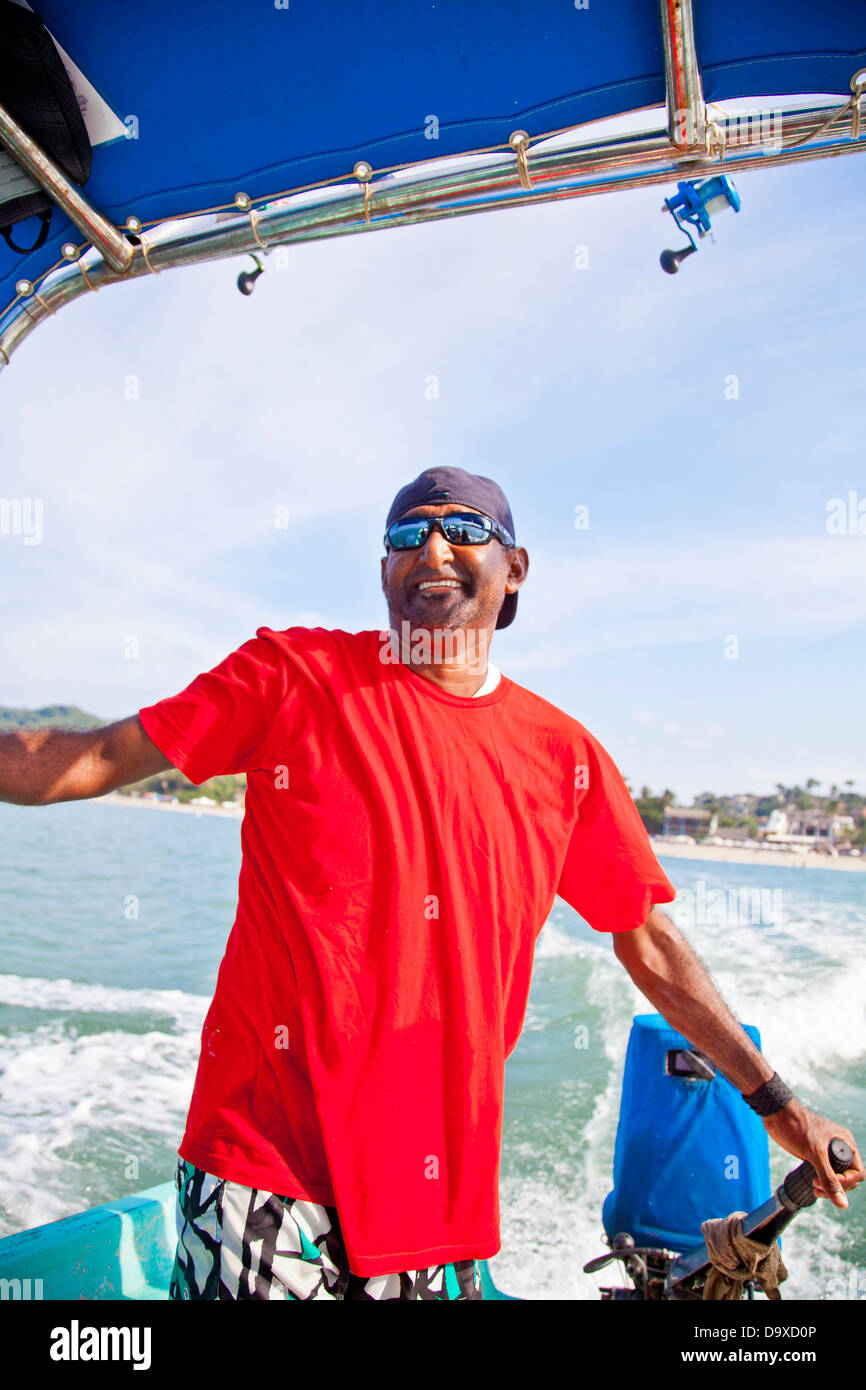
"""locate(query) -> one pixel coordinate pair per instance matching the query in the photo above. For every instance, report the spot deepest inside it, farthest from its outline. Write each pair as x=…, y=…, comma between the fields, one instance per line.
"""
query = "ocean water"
x=112, y=925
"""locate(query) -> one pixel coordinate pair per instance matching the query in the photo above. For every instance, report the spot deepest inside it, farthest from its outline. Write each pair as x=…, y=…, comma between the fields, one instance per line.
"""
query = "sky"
x=704, y=625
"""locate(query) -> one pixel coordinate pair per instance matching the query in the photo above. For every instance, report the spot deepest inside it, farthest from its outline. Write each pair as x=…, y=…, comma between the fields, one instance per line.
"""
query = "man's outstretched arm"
x=665, y=968
x=40, y=766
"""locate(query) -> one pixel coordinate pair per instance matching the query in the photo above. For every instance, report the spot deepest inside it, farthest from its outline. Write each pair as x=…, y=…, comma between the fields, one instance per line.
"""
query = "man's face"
x=463, y=585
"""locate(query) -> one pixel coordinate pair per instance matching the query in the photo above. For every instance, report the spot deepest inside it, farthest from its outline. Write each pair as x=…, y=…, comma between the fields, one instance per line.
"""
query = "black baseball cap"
x=470, y=490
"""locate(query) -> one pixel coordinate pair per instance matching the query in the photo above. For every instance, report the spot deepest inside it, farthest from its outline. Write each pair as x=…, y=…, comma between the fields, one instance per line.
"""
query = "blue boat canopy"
x=203, y=101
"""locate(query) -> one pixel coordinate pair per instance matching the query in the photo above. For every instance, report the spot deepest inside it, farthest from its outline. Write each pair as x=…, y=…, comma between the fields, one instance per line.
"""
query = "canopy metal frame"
x=696, y=141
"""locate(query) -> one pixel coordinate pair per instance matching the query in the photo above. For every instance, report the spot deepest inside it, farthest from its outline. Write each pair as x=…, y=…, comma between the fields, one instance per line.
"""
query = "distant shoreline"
x=228, y=809
x=727, y=854
x=672, y=849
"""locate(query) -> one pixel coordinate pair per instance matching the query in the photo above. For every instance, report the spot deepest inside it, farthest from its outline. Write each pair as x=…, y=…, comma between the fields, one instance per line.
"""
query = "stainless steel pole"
x=114, y=248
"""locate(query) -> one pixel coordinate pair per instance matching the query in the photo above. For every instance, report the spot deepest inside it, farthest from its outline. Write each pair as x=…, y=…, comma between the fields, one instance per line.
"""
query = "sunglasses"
x=458, y=528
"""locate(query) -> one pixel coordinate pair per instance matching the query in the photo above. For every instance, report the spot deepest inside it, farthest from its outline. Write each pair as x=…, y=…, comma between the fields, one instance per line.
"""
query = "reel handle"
x=797, y=1190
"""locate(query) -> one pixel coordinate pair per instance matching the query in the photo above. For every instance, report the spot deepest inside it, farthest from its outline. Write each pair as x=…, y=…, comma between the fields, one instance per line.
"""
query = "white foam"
x=554, y=941
x=61, y=1091
x=34, y=992
x=801, y=981
x=811, y=1012
x=547, y=1237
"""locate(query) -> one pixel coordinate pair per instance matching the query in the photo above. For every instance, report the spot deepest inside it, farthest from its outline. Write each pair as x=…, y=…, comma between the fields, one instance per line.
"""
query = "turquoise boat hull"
x=123, y=1250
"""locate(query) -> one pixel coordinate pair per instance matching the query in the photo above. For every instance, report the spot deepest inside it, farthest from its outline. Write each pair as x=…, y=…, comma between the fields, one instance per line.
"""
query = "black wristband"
x=773, y=1096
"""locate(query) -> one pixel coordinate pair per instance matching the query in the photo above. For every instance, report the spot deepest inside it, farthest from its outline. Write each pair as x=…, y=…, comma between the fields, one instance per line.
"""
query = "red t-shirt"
x=402, y=848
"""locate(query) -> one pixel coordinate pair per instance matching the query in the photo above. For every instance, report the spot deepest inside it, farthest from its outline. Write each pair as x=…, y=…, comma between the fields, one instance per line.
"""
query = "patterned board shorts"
x=237, y=1242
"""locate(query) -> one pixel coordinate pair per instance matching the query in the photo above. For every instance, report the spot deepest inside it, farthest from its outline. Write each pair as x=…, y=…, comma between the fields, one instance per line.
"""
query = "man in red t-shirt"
x=410, y=815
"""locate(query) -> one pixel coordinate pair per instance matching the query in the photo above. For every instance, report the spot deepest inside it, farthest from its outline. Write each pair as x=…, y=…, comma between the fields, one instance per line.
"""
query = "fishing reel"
x=692, y=207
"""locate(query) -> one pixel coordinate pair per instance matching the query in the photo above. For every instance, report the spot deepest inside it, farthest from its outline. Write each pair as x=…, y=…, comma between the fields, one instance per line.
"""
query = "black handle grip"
x=841, y=1155
x=798, y=1185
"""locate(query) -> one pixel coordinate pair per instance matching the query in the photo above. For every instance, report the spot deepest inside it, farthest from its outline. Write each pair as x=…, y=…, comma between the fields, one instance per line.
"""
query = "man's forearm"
x=666, y=969
x=39, y=765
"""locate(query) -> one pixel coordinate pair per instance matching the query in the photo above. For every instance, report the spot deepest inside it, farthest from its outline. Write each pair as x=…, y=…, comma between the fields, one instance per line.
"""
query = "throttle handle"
x=798, y=1186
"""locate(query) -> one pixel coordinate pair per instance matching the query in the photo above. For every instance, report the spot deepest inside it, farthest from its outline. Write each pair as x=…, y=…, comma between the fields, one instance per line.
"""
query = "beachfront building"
x=732, y=835
x=789, y=825
x=689, y=820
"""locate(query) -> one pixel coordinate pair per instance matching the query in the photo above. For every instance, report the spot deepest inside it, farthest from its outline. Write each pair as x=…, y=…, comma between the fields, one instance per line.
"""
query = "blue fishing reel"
x=692, y=206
